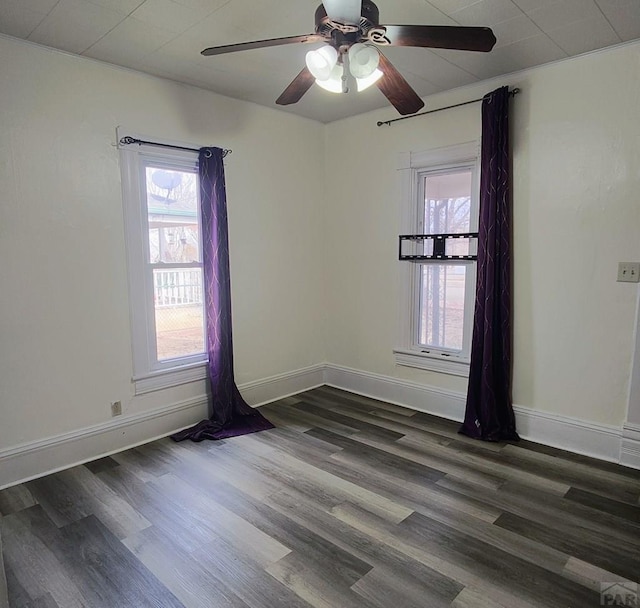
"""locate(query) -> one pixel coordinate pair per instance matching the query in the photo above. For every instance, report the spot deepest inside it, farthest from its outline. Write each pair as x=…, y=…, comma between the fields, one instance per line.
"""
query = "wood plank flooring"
x=348, y=503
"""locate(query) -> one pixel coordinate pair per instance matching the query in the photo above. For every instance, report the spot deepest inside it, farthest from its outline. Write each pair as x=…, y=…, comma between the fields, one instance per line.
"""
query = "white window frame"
x=149, y=374
x=412, y=168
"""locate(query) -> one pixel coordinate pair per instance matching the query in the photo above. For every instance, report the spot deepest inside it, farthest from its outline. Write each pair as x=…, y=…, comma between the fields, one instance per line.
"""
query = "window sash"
x=173, y=163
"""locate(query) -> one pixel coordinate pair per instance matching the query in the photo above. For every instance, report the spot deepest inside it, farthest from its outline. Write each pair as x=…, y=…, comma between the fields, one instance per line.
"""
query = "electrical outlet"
x=629, y=272
x=116, y=408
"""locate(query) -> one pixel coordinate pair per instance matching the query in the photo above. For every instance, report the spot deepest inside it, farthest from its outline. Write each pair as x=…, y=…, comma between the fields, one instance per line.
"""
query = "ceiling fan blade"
x=343, y=11
x=397, y=90
x=297, y=88
x=261, y=44
x=440, y=36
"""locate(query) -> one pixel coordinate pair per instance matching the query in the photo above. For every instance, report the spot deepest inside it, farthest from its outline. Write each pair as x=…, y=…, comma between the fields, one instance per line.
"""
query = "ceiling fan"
x=353, y=35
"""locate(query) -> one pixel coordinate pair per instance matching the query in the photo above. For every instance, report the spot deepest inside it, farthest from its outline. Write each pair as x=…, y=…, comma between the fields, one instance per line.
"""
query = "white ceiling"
x=165, y=37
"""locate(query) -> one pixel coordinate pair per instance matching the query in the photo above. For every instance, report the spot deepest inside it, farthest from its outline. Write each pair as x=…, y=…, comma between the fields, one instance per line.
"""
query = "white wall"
x=65, y=351
x=576, y=151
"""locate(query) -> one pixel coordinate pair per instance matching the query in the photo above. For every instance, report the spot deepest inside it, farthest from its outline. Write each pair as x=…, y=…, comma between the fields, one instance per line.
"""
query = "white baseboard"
x=260, y=392
x=420, y=397
x=38, y=458
x=630, y=450
x=571, y=434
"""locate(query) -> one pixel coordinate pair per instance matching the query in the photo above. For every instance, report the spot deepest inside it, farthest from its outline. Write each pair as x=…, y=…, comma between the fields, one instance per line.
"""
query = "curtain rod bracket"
x=388, y=123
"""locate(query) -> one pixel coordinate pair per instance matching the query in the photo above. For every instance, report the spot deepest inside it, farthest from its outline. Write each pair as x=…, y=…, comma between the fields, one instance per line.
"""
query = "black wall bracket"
x=438, y=246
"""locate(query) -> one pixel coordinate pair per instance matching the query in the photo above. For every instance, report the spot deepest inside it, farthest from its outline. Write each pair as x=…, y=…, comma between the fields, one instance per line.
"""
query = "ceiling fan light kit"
x=332, y=71
x=351, y=31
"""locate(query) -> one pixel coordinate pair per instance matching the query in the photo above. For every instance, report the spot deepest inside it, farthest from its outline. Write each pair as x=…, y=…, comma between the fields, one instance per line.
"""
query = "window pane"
x=179, y=312
x=441, y=316
x=447, y=202
x=460, y=247
x=172, y=206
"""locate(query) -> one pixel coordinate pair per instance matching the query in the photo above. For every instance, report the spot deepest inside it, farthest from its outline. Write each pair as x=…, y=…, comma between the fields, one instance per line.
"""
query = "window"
x=164, y=250
x=441, y=197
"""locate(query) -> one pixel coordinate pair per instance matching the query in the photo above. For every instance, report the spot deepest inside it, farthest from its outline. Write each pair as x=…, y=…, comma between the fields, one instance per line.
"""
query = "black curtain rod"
x=124, y=141
x=456, y=105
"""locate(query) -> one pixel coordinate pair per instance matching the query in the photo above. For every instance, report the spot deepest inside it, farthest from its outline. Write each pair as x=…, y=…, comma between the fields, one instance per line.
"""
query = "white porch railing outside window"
x=177, y=287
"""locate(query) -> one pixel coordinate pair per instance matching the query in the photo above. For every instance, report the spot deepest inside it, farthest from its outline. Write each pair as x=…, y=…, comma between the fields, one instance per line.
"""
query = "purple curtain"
x=489, y=413
x=230, y=414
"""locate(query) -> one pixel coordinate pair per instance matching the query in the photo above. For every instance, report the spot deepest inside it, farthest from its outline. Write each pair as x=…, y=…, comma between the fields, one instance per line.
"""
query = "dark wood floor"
x=348, y=503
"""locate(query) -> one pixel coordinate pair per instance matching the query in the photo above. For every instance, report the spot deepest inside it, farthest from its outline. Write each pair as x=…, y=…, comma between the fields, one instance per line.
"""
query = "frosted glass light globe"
x=363, y=60
x=333, y=84
x=321, y=61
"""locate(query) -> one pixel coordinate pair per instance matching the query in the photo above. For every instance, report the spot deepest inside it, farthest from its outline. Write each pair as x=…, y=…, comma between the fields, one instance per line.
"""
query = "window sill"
x=443, y=365
x=166, y=378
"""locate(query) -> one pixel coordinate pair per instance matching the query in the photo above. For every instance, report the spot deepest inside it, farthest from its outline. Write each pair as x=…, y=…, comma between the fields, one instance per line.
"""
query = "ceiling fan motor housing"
x=369, y=18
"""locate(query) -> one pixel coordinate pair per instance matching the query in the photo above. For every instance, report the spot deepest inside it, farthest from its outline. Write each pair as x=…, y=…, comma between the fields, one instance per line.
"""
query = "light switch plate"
x=629, y=272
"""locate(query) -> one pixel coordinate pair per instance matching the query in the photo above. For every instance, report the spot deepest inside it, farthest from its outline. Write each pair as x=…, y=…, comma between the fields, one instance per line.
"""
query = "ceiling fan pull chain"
x=345, y=72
